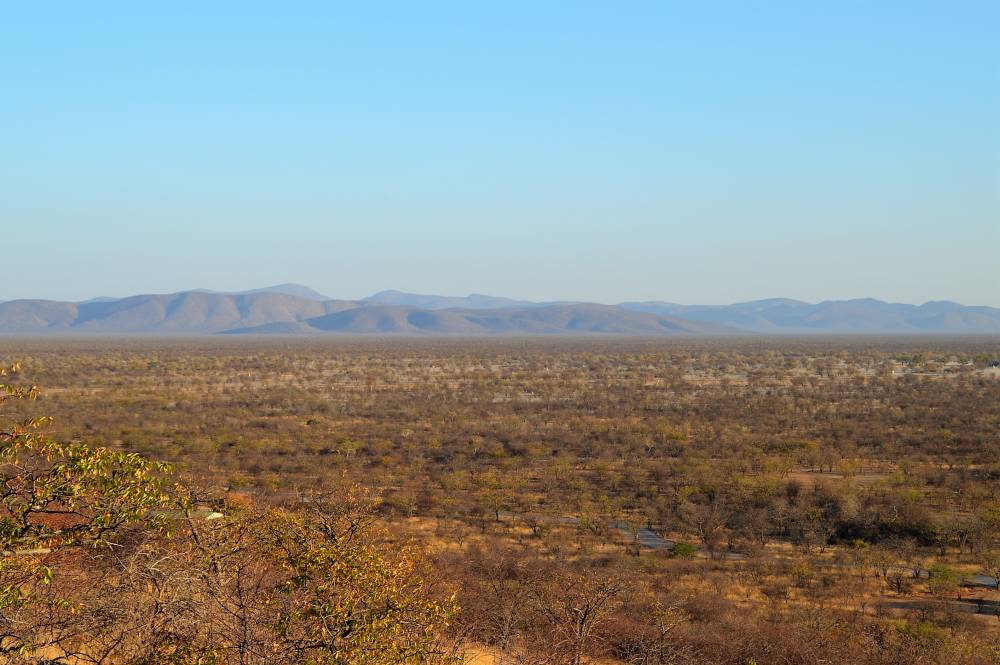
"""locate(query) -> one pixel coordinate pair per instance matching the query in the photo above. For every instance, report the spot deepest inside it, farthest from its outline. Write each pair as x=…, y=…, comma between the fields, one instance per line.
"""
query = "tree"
x=654, y=644
x=336, y=598
x=990, y=561
x=707, y=518
x=499, y=597
x=575, y=605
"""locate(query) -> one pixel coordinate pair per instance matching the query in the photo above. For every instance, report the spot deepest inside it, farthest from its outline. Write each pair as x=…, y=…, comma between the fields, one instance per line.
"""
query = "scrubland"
x=571, y=500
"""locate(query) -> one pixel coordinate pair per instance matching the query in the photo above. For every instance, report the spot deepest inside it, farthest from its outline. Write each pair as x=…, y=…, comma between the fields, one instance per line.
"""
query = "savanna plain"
x=730, y=500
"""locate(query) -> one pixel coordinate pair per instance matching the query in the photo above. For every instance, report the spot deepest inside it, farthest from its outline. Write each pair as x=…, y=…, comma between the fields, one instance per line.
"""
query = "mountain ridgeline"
x=295, y=309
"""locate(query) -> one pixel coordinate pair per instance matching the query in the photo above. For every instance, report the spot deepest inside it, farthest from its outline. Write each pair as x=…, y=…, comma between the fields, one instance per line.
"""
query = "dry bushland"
x=832, y=498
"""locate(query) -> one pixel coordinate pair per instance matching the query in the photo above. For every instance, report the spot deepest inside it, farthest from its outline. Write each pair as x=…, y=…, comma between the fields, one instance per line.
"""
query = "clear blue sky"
x=702, y=152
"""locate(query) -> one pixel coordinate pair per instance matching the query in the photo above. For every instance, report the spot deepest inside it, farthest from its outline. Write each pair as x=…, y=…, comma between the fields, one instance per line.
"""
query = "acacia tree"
x=990, y=561
x=574, y=606
x=499, y=592
x=653, y=643
x=707, y=517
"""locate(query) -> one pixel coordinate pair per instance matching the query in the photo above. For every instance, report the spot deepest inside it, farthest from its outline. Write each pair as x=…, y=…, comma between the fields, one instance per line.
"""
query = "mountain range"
x=297, y=309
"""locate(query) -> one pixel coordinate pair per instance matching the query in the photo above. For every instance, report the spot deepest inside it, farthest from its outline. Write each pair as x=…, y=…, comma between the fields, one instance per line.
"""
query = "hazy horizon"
x=694, y=154
x=466, y=294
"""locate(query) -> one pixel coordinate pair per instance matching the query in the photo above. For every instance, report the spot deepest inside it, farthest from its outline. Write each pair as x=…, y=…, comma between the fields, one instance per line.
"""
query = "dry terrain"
x=768, y=500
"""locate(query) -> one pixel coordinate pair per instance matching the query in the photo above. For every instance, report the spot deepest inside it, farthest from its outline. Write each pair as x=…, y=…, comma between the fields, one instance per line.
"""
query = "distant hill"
x=471, y=301
x=296, y=309
x=538, y=320
x=198, y=312
x=297, y=290
x=98, y=299
x=190, y=312
x=864, y=315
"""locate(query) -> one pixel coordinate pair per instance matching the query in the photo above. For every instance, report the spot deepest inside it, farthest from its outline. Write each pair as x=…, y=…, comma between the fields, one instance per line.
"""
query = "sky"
x=695, y=152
